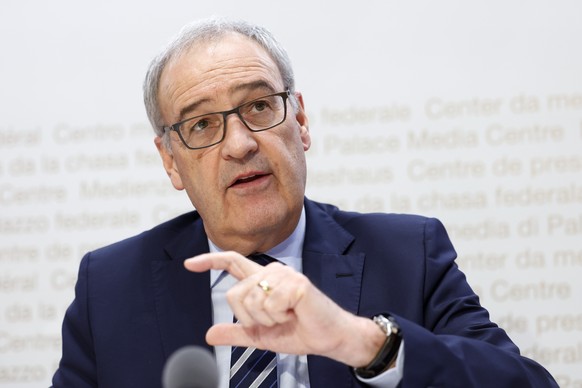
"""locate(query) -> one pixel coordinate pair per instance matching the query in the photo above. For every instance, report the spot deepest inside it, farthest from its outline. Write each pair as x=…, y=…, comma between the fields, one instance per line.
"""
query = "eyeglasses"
x=209, y=129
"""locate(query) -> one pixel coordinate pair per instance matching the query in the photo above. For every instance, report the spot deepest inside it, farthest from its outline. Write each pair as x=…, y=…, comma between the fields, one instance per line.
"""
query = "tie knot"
x=261, y=258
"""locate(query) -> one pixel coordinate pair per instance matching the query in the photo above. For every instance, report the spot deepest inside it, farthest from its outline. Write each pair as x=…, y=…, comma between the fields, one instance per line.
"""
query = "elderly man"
x=347, y=299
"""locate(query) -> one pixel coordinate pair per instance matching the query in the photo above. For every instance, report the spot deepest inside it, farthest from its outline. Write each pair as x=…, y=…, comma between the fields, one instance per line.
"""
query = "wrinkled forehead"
x=213, y=68
x=220, y=57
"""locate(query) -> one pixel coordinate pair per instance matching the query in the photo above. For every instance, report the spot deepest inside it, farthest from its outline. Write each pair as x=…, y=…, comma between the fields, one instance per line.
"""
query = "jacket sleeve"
x=77, y=367
x=457, y=345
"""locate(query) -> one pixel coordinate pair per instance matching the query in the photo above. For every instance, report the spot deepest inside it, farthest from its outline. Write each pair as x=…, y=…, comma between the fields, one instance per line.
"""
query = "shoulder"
x=148, y=244
x=381, y=232
x=355, y=221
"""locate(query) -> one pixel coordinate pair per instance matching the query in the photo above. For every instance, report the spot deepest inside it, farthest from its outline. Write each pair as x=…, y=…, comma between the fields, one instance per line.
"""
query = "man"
x=232, y=132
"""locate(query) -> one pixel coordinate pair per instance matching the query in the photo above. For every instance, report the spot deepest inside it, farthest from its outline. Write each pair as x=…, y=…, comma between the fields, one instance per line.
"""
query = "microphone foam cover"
x=190, y=367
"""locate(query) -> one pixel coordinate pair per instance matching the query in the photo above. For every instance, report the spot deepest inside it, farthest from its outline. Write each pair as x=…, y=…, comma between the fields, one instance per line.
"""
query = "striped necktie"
x=252, y=367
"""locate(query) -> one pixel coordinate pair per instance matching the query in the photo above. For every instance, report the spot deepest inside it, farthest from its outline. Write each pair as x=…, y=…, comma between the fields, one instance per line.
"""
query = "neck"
x=262, y=241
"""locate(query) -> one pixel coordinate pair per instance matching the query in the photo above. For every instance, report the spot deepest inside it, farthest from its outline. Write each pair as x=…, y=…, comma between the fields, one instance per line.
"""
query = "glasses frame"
x=176, y=127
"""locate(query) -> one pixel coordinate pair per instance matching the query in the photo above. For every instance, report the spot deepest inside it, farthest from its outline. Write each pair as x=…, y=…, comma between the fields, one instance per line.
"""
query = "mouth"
x=246, y=180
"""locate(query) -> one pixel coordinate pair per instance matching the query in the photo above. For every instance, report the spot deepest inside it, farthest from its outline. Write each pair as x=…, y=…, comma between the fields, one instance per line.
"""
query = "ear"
x=303, y=121
x=169, y=163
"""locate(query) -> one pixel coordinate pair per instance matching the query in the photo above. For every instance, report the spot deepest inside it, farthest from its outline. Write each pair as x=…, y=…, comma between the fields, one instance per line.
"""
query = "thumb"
x=228, y=334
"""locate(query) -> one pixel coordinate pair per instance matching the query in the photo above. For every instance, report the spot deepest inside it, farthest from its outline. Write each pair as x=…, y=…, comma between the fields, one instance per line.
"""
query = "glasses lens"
x=202, y=131
x=263, y=113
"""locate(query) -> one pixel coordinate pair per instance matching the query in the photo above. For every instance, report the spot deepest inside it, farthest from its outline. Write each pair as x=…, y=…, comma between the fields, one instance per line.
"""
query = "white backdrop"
x=467, y=111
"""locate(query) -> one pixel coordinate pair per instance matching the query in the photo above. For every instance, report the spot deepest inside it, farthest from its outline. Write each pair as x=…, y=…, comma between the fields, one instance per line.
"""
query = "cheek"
x=298, y=150
x=293, y=166
x=199, y=180
x=202, y=196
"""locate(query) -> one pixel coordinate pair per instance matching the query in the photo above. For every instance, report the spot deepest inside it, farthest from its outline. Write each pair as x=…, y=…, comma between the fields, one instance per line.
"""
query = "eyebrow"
x=254, y=85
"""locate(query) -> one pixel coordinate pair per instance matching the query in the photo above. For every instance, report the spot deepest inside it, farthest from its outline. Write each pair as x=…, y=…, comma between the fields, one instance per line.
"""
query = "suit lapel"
x=182, y=298
x=337, y=273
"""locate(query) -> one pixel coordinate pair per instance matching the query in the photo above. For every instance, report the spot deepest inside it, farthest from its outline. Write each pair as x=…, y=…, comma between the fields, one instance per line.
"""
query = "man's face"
x=249, y=188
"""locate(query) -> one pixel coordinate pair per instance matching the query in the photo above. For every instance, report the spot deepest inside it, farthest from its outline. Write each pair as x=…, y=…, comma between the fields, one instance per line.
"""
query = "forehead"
x=211, y=70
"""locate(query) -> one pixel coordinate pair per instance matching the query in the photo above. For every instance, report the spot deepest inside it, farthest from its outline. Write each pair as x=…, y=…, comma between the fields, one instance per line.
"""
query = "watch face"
x=385, y=324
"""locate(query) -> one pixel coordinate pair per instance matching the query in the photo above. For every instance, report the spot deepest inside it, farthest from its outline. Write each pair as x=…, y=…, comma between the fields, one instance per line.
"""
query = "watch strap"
x=389, y=350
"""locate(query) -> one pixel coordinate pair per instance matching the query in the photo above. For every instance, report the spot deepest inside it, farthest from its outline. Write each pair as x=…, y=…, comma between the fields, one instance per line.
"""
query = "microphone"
x=190, y=367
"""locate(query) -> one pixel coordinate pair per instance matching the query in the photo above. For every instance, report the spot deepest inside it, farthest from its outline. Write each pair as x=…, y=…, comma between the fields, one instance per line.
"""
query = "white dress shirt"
x=291, y=369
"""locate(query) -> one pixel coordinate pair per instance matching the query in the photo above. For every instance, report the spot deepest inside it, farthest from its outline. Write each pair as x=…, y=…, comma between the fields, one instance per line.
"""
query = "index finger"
x=234, y=263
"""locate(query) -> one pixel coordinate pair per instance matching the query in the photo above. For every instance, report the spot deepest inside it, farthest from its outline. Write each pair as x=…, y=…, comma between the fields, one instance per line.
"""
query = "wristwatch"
x=388, y=351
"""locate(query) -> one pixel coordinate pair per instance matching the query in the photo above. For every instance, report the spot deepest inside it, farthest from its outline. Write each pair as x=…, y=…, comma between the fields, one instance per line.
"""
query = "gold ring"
x=265, y=286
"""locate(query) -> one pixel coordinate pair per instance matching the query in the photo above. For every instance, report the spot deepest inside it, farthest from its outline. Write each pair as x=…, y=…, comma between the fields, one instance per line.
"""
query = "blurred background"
x=470, y=112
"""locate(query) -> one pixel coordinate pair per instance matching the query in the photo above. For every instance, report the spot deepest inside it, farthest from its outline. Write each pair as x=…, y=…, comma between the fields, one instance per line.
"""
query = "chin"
x=263, y=220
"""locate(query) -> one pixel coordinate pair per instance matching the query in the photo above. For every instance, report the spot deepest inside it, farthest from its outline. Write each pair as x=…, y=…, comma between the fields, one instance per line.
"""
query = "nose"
x=239, y=141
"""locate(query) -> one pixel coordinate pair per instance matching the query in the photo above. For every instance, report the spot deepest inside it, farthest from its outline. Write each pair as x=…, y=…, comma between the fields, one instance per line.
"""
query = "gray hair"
x=202, y=31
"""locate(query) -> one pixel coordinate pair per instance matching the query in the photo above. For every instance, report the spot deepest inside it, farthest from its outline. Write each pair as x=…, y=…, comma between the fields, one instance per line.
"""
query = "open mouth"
x=247, y=179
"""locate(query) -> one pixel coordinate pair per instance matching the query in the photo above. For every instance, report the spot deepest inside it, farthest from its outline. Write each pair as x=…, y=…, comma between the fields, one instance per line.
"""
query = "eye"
x=200, y=125
x=260, y=105
x=203, y=124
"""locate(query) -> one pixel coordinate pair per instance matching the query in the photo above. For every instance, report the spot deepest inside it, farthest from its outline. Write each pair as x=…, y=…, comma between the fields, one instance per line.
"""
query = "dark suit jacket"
x=135, y=304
